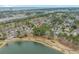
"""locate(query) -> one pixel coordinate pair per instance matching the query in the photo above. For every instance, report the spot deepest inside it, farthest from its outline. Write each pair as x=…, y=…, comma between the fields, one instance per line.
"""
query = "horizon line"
x=39, y=5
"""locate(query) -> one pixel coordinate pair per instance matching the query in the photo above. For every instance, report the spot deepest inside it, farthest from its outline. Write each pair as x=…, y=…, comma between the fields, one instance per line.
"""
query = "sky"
x=10, y=3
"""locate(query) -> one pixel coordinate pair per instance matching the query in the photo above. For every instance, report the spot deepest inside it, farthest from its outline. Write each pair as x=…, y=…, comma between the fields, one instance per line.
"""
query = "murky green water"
x=27, y=48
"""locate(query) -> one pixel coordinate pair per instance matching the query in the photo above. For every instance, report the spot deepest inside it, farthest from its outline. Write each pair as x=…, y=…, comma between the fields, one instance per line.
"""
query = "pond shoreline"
x=49, y=43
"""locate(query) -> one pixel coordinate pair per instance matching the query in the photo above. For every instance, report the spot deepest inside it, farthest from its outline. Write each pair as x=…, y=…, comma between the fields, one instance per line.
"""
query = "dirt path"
x=50, y=43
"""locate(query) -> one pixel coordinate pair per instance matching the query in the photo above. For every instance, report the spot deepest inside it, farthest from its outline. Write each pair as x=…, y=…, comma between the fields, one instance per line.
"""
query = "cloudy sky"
x=38, y=2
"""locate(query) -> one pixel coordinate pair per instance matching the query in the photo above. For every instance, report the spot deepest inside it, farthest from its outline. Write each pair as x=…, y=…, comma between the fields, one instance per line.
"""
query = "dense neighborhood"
x=61, y=25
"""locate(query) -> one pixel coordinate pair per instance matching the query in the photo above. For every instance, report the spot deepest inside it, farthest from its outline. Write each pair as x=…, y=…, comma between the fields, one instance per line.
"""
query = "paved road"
x=11, y=18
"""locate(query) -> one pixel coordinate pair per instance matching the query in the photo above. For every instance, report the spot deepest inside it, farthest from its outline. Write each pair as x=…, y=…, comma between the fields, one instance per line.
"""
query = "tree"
x=39, y=31
x=2, y=36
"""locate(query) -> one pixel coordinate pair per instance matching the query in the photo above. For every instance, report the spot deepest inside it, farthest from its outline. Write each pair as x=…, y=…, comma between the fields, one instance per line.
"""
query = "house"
x=75, y=32
x=11, y=33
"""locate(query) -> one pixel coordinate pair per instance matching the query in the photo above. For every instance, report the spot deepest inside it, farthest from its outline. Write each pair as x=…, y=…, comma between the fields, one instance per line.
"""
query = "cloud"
x=39, y=2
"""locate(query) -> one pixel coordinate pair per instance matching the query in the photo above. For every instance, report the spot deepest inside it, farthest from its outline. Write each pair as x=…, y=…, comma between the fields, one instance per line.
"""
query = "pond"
x=27, y=48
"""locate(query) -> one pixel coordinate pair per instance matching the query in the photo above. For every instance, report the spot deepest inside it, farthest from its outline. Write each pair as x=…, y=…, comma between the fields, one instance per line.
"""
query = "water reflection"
x=18, y=43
